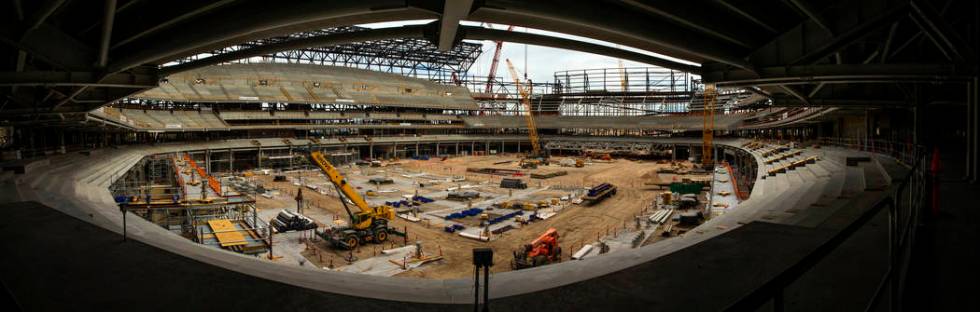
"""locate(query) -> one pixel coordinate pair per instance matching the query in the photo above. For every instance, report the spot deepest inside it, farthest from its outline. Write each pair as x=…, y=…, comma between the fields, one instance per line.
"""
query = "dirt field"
x=576, y=224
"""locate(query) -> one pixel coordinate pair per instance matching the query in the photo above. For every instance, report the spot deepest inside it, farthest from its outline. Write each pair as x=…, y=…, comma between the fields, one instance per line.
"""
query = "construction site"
x=445, y=206
x=488, y=155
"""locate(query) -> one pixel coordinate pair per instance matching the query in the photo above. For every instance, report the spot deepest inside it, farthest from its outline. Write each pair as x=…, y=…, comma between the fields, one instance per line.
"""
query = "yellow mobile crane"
x=536, y=157
x=367, y=225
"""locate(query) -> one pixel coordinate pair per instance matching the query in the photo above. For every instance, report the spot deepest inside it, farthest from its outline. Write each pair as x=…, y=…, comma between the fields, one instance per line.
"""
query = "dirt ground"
x=576, y=224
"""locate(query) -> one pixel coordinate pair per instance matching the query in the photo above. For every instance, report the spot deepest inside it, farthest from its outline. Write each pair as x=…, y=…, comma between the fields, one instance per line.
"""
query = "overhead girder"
x=748, y=15
x=149, y=20
x=853, y=34
x=418, y=31
x=941, y=33
x=257, y=20
x=79, y=79
x=774, y=47
x=50, y=44
x=708, y=19
x=480, y=33
x=596, y=19
x=453, y=11
x=838, y=73
x=811, y=11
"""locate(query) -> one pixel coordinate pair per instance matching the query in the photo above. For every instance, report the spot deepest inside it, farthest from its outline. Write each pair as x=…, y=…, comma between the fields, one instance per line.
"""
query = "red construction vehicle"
x=543, y=250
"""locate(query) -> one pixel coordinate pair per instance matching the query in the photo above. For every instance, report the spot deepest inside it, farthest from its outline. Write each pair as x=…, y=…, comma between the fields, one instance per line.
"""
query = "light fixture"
x=199, y=81
x=263, y=82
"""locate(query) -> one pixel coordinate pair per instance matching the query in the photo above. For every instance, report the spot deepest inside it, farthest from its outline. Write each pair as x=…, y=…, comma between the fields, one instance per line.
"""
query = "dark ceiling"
x=62, y=57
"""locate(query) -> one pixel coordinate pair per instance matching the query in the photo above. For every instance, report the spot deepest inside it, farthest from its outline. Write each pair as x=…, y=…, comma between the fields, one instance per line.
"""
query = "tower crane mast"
x=493, y=64
x=532, y=128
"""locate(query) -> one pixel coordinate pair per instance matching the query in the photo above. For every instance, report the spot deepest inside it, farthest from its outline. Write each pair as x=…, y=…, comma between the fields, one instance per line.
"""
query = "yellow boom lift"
x=370, y=224
x=536, y=157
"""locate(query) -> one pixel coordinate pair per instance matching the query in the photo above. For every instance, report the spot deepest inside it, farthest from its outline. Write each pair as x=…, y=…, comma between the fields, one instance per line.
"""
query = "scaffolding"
x=154, y=190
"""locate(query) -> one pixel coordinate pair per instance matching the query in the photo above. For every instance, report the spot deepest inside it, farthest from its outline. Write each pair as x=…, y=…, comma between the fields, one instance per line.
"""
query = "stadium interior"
x=800, y=155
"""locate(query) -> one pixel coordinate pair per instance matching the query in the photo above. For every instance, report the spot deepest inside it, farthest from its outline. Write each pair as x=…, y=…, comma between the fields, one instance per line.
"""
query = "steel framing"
x=413, y=57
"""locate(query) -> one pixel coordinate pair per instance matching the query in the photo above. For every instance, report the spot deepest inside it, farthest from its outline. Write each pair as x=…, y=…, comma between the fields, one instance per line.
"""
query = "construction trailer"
x=599, y=192
x=513, y=184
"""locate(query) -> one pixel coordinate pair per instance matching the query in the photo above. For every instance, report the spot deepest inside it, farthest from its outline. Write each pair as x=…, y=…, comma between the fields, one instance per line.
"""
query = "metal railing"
x=904, y=152
x=903, y=205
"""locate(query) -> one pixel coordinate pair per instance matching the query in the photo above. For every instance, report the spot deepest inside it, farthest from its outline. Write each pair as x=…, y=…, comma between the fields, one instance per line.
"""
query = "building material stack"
x=599, y=192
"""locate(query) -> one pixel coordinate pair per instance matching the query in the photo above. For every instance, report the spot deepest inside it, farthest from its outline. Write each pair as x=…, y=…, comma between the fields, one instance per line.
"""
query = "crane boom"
x=532, y=128
x=338, y=180
x=368, y=225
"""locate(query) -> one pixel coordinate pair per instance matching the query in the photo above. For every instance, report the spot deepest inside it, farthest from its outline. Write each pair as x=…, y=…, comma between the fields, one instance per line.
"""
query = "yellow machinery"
x=707, y=148
x=536, y=157
x=370, y=224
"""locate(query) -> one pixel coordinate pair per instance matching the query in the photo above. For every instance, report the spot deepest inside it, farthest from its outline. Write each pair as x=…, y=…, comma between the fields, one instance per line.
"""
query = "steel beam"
x=791, y=91
x=170, y=21
x=853, y=34
x=747, y=16
x=811, y=12
x=480, y=33
x=78, y=79
x=839, y=73
x=695, y=16
x=41, y=15
x=317, y=41
x=788, y=101
x=263, y=18
x=596, y=19
x=453, y=11
x=51, y=45
x=942, y=34
x=469, y=32
x=107, y=20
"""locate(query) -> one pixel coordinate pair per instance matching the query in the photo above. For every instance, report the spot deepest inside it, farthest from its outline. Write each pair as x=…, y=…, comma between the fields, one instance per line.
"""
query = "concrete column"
x=969, y=134
x=487, y=150
x=231, y=160
x=673, y=154
x=973, y=130
x=437, y=149
x=518, y=147
x=61, y=148
x=371, y=150
x=207, y=160
x=457, y=148
x=258, y=157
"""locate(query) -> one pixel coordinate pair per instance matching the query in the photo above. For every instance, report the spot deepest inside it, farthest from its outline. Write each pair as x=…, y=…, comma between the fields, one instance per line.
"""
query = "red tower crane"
x=493, y=65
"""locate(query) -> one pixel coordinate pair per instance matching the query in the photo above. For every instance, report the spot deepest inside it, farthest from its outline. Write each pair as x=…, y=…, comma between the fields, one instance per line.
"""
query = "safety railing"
x=902, y=204
x=903, y=151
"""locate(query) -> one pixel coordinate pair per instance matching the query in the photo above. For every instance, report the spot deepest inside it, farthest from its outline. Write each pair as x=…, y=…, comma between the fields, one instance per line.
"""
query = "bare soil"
x=576, y=224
